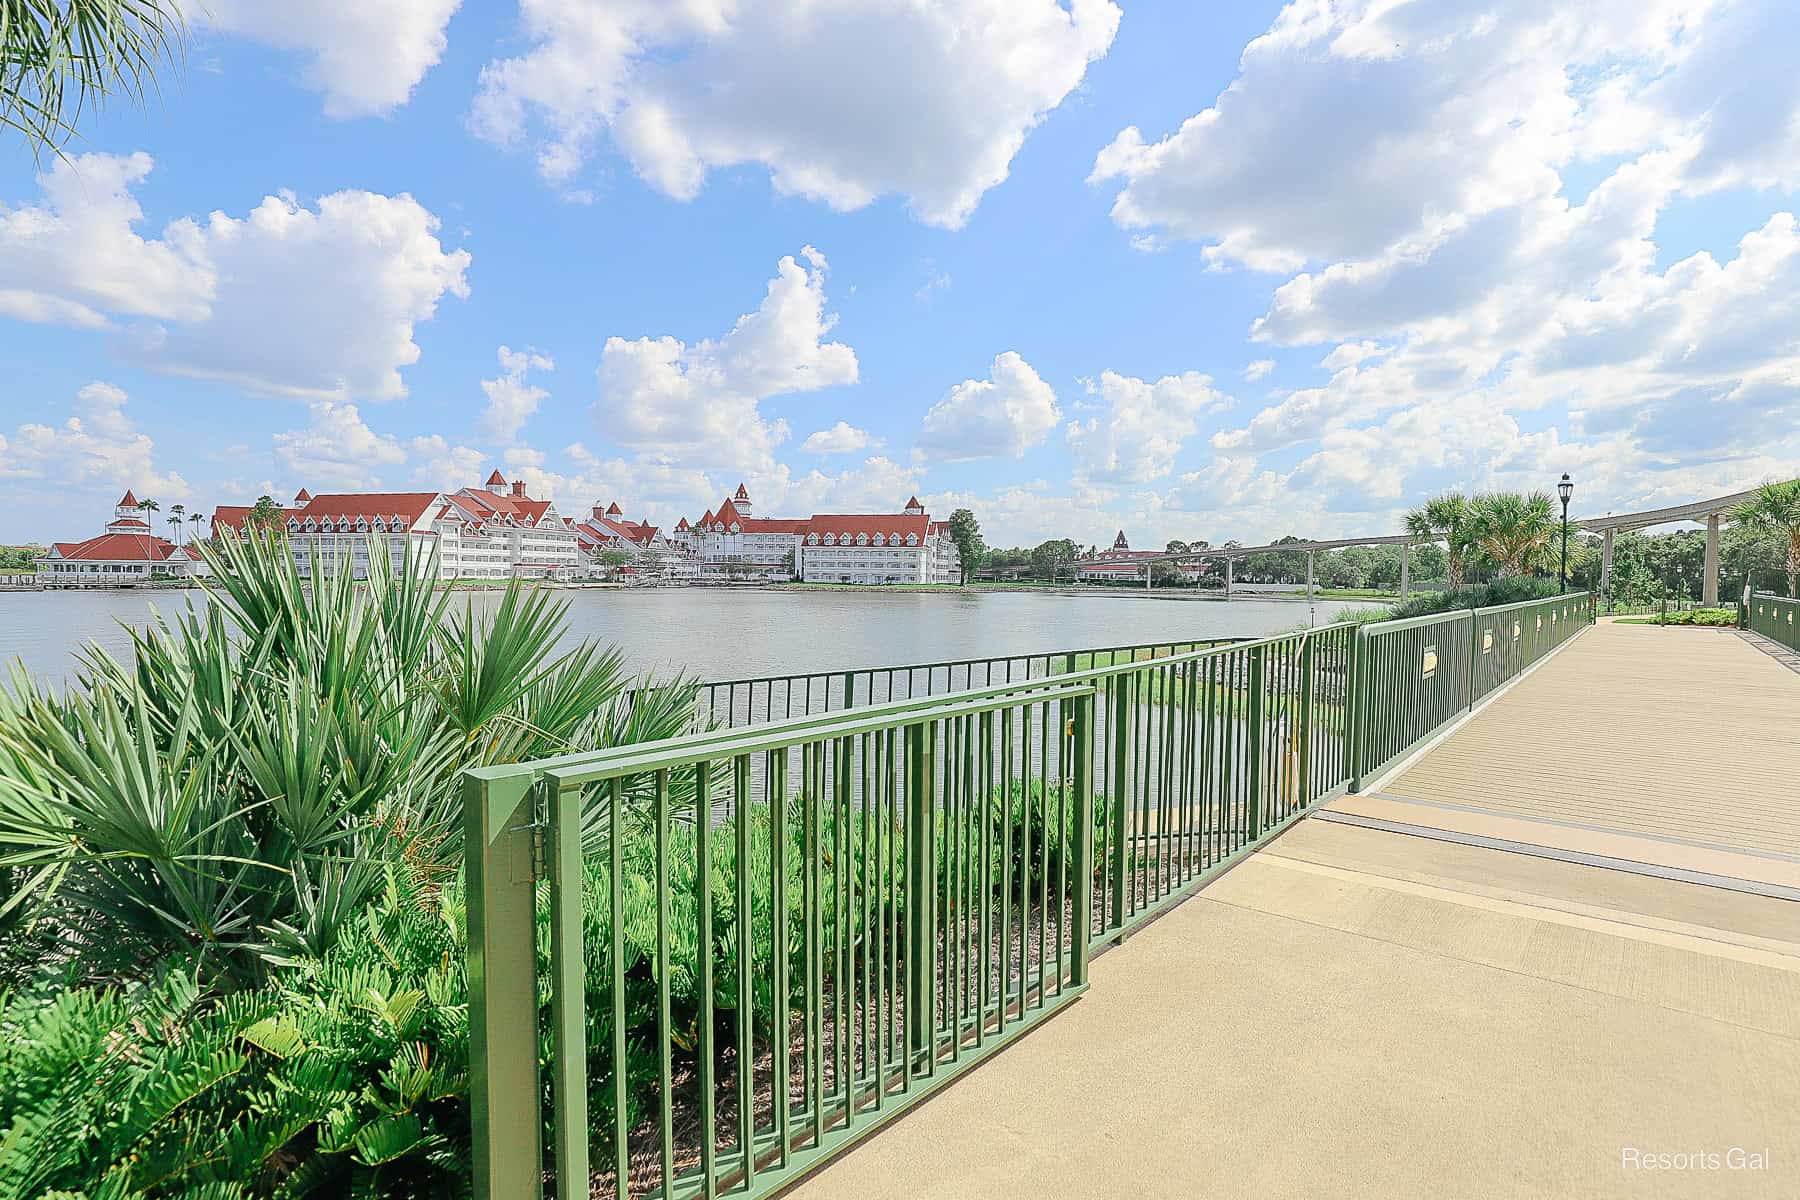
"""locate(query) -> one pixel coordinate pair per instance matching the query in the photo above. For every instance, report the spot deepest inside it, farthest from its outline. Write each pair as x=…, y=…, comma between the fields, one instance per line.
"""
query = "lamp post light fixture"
x=1565, y=489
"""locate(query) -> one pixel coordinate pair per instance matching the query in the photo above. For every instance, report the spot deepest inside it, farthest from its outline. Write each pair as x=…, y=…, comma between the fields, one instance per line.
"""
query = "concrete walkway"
x=1355, y=1012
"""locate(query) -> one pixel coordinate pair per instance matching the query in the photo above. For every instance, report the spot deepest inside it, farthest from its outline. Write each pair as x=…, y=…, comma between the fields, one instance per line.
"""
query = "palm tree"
x=1775, y=509
x=61, y=57
x=144, y=506
x=194, y=519
x=1448, y=519
x=175, y=511
x=1513, y=531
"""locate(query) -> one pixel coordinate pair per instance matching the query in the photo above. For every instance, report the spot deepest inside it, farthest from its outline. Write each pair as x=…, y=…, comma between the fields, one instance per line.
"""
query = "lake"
x=714, y=633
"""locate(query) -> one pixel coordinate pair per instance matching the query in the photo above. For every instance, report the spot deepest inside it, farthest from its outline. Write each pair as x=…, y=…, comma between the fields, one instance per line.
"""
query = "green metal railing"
x=752, y=700
x=1418, y=675
x=1775, y=617
x=738, y=951
x=1007, y=830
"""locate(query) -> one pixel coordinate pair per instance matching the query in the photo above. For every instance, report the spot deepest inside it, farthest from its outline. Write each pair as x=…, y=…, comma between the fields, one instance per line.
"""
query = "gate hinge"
x=537, y=840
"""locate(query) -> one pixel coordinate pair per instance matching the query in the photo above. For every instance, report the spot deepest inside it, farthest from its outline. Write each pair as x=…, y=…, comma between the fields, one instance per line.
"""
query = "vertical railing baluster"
x=781, y=1023
x=703, y=972
x=746, y=959
x=615, y=919
x=664, y=1040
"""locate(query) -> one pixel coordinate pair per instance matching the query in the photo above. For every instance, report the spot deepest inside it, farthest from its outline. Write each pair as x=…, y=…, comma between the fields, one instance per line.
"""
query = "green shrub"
x=348, y=1077
x=228, y=796
x=1511, y=590
x=1711, y=617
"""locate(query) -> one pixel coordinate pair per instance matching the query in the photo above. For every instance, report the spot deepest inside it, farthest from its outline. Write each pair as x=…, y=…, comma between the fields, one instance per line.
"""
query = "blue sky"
x=1198, y=271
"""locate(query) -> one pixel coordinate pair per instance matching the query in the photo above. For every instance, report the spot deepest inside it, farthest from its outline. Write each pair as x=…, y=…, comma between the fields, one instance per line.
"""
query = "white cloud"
x=336, y=450
x=98, y=445
x=1468, y=210
x=700, y=402
x=510, y=399
x=1396, y=123
x=1003, y=415
x=842, y=102
x=842, y=438
x=288, y=300
x=366, y=56
x=1141, y=426
x=75, y=258
x=443, y=467
x=1258, y=369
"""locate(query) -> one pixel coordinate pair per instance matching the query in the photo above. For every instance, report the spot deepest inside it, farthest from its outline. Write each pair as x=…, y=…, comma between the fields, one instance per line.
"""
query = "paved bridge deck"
x=1672, y=747
x=1377, y=1011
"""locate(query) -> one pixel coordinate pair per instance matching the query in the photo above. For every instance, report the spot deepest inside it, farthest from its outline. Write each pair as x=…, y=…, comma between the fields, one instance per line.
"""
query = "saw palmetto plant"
x=228, y=796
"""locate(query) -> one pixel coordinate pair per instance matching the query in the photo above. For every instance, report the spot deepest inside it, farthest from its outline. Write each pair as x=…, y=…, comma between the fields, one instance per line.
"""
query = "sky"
x=1195, y=271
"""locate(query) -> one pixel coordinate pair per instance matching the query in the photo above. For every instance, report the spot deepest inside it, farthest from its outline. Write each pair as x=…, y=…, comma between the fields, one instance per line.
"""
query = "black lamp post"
x=1565, y=489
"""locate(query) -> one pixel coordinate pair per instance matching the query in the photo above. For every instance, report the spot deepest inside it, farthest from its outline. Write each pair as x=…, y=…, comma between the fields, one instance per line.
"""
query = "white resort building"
x=127, y=552
x=903, y=547
x=491, y=532
x=646, y=552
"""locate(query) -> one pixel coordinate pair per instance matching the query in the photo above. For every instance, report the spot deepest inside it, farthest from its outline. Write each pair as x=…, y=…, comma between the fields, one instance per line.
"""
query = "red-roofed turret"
x=496, y=479
x=302, y=497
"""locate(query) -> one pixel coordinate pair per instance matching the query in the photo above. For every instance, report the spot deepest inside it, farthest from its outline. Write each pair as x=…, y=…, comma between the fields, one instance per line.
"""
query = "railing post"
x=504, y=1108
x=1255, y=815
x=1353, y=705
x=1474, y=657
x=1307, y=662
x=1119, y=727
x=1082, y=783
x=568, y=977
x=921, y=861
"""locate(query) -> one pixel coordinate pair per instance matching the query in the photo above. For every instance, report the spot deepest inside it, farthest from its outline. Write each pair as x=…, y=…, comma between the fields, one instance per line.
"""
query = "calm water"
x=716, y=634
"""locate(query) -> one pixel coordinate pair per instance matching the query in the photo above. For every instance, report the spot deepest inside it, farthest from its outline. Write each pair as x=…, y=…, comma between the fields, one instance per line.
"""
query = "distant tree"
x=194, y=519
x=1449, y=519
x=1513, y=531
x=264, y=514
x=965, y=531
x=1775, y=509
x=60, y=58
x=1049, y=558
x=1176, y=547
x=175, y=520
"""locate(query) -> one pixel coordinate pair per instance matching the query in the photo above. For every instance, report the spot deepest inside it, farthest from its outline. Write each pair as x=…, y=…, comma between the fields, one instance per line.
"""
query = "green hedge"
x=1481, y=595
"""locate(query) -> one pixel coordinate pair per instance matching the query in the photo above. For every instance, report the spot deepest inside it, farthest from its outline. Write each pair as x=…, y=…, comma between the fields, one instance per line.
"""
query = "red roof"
x=913, y=502
x=128, y=500
x=521, y=508
x=682, y=525
x=126, y=523
x=302, y=496
x=496, y=479
x=119, y=547
x=613, y=509
x=409, y=506
x=741, y=493
x=880, y=524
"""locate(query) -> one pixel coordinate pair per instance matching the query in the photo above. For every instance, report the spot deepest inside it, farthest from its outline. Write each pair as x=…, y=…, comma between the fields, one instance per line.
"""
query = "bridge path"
x=1370, y=1007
